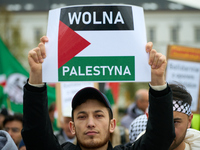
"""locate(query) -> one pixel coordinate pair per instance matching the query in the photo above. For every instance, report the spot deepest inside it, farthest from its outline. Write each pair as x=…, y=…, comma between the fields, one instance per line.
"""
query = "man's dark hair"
x=52, y=107
x=15, y=117
x=179, y=92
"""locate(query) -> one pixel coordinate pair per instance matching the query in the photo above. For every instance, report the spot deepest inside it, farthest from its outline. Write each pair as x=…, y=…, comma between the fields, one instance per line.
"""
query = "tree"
x=11, y=35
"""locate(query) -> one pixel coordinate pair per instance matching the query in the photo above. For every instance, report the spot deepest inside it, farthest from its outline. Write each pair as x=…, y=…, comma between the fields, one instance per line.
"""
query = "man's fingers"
x=39, y=54
x=36, y=53
x=160, y=61
x=152, y=56
x=44, y=39
x=156, y=59
x=149, y=47
x=33, y=54
x=42, y=50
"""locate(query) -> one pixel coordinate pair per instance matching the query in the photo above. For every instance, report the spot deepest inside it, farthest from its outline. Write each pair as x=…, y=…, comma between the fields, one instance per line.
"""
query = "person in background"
x=3, y=114
x=137, y=108
x=22, y=146
x=52, y=108
x=13, y=124
x=186, y=138
x=120, y=136
x=137, y=126
x=65, y=135
x=6, y=142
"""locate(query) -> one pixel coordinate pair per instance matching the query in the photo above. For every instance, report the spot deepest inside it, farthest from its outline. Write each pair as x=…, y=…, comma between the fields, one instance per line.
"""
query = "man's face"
x=181, y=122
x=66, y=129
x=14, y=129
x=2, y=117
x=92, y=125
x=51, y=116
x=143, y=102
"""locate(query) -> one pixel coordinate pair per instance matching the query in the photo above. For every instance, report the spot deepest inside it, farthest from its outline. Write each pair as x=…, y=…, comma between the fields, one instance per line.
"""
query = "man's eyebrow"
x=81, y=112
x=84, y=112
x=97, y=111
x=178, y=119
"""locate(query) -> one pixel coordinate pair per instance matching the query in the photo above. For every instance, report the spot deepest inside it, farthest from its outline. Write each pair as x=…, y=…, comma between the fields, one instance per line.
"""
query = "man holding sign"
x=91, y=112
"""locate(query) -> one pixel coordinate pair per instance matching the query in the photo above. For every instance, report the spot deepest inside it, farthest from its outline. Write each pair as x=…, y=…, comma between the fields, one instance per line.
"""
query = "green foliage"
x=17, y=45
x=11, y=35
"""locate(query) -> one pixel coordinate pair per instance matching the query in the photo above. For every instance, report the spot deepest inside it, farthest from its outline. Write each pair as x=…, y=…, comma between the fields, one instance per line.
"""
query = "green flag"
x=12, y=79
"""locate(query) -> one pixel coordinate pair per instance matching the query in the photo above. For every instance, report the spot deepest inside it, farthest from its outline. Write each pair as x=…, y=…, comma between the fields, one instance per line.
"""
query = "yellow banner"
x=184, y=53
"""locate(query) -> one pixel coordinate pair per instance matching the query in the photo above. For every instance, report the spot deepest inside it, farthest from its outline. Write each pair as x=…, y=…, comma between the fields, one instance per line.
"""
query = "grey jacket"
x=6, y=142
x=132, y=112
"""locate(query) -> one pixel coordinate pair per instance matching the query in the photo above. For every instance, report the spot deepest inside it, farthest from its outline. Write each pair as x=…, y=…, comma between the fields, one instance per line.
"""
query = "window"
x=174, y=34
x=197, y=34
x=151, y=34
x=37, y=35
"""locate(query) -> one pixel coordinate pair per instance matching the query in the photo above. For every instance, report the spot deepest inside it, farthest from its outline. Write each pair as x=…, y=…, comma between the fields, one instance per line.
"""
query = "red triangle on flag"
x=3, y=80
x=69, y=44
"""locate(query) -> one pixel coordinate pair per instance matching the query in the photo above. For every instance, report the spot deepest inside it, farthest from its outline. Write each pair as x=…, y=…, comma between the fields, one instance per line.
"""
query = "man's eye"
x=176, y=121
x=99, y=116
x=81, y=117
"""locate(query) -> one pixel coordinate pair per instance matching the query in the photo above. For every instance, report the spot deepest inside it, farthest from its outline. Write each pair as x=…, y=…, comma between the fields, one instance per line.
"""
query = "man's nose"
x=91, y=122
x=10, y=132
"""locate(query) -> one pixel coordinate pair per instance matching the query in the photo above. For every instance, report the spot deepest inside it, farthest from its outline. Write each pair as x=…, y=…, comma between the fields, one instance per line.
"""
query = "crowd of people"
x=159, y=119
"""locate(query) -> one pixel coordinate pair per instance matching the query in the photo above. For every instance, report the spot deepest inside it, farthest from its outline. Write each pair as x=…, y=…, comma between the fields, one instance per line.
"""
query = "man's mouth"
x=91, y=133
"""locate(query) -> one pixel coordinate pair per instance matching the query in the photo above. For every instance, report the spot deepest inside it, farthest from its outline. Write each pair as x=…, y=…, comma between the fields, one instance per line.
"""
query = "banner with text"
x=65, y=92
x=184, y=67
x=96, y=43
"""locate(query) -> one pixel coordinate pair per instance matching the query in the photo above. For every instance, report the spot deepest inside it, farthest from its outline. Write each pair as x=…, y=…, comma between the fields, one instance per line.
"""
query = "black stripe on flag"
x=98, y=18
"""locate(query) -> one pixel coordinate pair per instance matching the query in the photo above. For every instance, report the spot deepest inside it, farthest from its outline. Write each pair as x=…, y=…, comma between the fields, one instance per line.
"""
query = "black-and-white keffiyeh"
x=182, y=107
x=137, y=126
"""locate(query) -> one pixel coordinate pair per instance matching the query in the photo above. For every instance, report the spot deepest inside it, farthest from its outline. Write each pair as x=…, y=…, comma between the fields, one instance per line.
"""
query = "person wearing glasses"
x=13, y=125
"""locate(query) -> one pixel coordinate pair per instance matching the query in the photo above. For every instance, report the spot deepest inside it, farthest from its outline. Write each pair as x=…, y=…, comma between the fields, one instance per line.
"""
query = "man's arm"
x=37, y=130
x=158, y=64
x=160, y=130
x=35, y=58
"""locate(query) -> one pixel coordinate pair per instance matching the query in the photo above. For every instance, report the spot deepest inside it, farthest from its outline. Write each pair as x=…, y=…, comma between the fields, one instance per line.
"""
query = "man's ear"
x=72, y=127
x=147, y=114
x=190, y=120
x=112, y=125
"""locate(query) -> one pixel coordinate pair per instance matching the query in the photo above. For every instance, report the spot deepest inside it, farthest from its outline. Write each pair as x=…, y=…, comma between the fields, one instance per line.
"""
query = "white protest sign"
x=104, y=43
x=68, y=90
x=187, y=73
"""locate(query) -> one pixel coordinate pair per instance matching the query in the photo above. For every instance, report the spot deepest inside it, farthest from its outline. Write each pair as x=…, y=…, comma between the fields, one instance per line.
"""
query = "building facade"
x=166, y=22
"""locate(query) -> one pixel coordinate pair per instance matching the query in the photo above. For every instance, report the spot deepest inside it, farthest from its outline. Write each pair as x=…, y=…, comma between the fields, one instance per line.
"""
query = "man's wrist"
x=36, y=85
x=157, y=80
x=158, y=87
x=35, y=78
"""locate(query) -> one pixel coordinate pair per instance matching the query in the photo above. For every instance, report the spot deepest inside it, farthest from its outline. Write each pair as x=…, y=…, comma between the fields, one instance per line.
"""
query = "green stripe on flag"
x=112, y=68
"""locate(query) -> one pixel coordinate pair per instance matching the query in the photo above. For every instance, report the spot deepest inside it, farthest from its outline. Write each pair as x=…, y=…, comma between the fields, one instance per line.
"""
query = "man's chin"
x=92, y=144
x=173, y=145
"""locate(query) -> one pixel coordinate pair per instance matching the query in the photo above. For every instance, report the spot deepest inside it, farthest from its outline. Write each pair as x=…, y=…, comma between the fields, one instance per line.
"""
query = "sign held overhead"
x=104, y=43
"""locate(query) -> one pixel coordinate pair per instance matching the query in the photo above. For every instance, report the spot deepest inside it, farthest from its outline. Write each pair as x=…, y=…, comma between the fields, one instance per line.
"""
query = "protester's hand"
x=35, y=58
x=158, y=64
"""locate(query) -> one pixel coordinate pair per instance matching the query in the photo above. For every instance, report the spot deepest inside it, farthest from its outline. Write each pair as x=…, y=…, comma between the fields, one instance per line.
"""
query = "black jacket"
x=38, y=135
